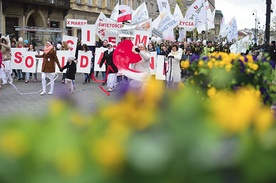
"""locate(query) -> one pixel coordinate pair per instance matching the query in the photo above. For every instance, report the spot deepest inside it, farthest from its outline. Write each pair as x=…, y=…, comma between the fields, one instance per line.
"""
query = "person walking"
x=70, y=73
x=111, y=69
x=48, y=67
x=6, y=59
x=173, y=75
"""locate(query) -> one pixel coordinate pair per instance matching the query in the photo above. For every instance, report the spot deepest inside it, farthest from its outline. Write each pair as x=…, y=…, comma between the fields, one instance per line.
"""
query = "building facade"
x=41, y=20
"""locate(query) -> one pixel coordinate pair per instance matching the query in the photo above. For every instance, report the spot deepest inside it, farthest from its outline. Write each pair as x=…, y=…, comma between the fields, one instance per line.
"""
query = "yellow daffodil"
x=200, y=63
x=185, y=64
x=212, y=92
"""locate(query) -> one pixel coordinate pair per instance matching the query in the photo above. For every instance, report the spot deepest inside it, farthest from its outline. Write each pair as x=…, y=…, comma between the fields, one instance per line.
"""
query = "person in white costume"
x=173, y=76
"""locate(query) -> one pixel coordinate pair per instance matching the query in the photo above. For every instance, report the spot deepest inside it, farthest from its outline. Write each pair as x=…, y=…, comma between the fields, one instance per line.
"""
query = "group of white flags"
x=198, y=15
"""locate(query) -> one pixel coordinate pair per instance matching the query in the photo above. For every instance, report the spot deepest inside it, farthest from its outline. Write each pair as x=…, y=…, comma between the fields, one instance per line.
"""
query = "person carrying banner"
x=142, y=66
x=173, y=75
x=6, y=59
x=48, y=67
x=111, y=69
x=70, y=73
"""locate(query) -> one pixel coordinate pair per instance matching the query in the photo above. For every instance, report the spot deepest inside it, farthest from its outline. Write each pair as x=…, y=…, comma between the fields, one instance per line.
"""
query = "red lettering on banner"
x=112, y=40
x=181, y=23
x=88, y=35
x=31, y=61
x=62, y=61
x=100, y=58
x=70, y=42
x=18, y=57
x=138, y=40
x=152, y=62
x=84, y=61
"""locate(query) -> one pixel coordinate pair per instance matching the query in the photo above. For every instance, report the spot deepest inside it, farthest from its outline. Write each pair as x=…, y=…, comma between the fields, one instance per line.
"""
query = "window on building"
x=78, y=1
x=108, y=4
x=89, y=2
x=99, y=3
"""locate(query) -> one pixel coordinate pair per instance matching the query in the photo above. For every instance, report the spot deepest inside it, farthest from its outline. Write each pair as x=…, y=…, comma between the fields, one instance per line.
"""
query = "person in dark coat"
x=48, y=67
x=111, y=69
x=70, y=73
x=272, y=54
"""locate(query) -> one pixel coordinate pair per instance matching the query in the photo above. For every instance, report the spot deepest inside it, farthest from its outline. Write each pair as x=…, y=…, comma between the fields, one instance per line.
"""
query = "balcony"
x=63, y=4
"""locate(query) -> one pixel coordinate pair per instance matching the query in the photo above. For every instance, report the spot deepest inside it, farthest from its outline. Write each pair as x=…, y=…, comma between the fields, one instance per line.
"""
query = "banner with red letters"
x=88, y=35
x=17, y=57
x=161, y=68
x=72, y=43
x=153, y=57
x=29, y=62
x=84, y=61
x=98, y=57
x=62, y=57
x=141, y=37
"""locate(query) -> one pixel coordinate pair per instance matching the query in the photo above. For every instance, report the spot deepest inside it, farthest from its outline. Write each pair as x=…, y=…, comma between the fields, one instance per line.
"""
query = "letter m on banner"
x=141, y=37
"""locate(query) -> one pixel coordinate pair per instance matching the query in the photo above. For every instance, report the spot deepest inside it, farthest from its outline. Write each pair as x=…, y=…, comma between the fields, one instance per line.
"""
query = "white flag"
x=101, y=31
x=177, y=12
x=233, y=30
x=210, y=17
x=164, y=5
x=197, y=12
x=140, y=14
x=115, y=13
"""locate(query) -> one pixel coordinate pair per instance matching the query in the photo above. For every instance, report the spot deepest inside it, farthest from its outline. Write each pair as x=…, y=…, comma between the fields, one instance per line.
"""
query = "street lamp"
x=256, y=25
x=267, y=24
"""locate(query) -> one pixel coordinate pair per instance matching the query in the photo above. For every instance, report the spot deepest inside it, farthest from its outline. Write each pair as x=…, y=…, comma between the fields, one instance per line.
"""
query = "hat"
x=26, y=41
x=58, y=46
x=110, y=43
x=71, y=58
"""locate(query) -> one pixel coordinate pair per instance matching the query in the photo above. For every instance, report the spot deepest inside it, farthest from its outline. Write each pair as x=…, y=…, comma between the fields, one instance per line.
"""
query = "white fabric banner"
x=197, y=12
x=141, y=37
x=84, y=61
x=153, y=58
x=75, y=23
x=210, y=17
x=161, y=68
x=62, y=57
x=100, y=31
x=163, y=5
x=140, y=14
x=233, y=31
x=167, y=22
x=88, y=35
x=29, y=62
x=17, y=55
x=187, y=24
x=39, y=64
x=241, y=45
x=98, y=57
x=115, y=13
x=177, y=12
x=72, y=43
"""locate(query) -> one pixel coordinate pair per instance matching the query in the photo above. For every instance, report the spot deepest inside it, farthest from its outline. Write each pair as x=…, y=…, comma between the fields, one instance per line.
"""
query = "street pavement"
x=26, y=101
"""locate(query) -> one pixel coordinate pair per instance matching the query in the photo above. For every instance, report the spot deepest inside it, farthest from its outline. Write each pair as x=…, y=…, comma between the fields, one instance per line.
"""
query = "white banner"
x=75, y=23
x=197, y=12
x=101, y=31
x=84, y=61
x=163, y=5
x=140, y=14
x=62, y=57
x=39, y=64
x=17, y=55
x=29, y=62
x=161, y=68
x=72, y=43
x=88, y=35
x=112, y=38
x=141, y=37
x=167, y=22
x=241, y=45
x=98, y=57
x=153, y=58
x=187, y=24
x=109, y=25
x=233, y=31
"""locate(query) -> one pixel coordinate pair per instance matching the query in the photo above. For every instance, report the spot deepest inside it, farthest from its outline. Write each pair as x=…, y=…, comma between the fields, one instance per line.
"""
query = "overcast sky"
x=243, y=9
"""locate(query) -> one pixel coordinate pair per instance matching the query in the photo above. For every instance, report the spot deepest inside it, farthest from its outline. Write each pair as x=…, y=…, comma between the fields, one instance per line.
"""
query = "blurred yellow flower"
x=56, y=107
x=200, y=63
x=263, y=119
x=250, y=58
x=255, y=67
x=69, y=163
x=108, y=152
x=185, y=64
x=228, y=67
x=212, y=92
x=13, y=143
x=234, y=111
